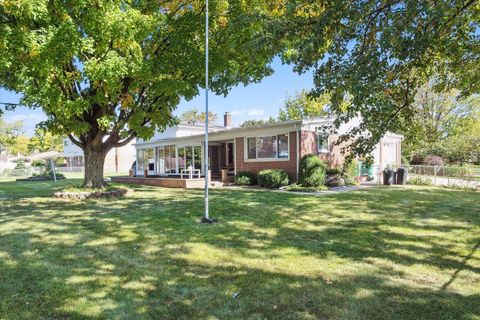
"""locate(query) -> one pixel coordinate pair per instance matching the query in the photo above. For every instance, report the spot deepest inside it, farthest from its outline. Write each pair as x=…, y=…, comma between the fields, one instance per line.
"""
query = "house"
x=117, y=160
x=274, y=146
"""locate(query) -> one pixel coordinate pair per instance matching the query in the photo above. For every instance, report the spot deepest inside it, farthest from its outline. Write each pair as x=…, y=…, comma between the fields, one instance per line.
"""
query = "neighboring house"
x=274, y=146
x=117, y=160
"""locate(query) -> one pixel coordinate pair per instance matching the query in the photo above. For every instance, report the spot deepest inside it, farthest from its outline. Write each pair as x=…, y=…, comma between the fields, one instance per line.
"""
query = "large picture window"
x=267, y=147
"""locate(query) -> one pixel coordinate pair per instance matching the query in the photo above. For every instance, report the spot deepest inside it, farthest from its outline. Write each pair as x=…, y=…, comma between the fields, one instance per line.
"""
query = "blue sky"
x=255, y=101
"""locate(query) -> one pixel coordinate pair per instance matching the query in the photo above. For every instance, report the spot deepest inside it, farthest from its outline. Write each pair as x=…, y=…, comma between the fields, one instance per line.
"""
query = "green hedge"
x=273, y=178
x=245, y=178
x=312, y=171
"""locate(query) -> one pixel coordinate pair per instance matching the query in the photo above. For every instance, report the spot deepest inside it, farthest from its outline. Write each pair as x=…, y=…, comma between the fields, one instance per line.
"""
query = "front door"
x=214, y=159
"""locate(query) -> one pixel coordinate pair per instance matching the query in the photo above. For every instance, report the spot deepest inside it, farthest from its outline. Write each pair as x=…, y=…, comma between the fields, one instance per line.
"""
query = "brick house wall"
x=289, y=165
x=308, y=145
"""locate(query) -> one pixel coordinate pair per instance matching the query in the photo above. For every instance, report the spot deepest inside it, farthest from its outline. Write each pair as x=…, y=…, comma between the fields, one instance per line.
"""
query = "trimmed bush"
x=312, y=171
x=245, y=178
x=273, y=178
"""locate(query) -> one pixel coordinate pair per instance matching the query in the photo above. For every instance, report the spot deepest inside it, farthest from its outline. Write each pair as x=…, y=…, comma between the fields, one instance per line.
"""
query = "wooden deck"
x=197, y=183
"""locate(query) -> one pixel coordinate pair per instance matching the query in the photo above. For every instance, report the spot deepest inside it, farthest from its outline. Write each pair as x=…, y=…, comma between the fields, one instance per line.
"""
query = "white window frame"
x=322, y=150
x=245, y=148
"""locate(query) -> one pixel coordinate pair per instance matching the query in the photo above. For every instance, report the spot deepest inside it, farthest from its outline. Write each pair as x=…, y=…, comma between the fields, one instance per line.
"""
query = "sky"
x=255, y=101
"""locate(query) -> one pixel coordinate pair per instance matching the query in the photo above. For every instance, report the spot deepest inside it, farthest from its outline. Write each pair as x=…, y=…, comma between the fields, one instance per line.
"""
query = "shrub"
x=299, y=188
x=417, y=159
x=47, y=173
x=419, y=181
x=38, y=163
x=273, y=178
x=405, y=161
x=244, y=178
x=312, y=171
x=350, y=169
x=351, y=182
x=333, y=171
x=432, y=160
x=20, y=164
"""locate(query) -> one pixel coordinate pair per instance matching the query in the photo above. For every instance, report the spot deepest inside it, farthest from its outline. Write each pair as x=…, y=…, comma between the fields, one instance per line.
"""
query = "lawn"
x=378, y=253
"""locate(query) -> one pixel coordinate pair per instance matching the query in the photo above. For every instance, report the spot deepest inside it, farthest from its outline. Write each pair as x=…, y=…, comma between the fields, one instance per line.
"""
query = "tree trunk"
x=94, y=161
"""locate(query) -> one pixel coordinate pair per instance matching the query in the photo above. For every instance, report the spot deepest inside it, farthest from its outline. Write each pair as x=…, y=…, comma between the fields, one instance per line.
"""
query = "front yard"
x=377, y=253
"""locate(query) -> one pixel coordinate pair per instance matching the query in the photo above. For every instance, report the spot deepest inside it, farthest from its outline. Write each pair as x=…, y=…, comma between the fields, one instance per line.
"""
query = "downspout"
x=298, y=150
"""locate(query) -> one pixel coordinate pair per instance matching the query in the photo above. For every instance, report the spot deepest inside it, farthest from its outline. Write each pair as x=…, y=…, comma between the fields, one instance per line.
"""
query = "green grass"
x=377, y=253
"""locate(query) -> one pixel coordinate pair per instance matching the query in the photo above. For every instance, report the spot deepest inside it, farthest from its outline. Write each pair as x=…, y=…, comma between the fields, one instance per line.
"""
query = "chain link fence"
x=461, y=176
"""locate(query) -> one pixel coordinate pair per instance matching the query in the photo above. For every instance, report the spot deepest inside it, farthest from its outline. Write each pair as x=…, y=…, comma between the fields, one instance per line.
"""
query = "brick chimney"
x=227, y=120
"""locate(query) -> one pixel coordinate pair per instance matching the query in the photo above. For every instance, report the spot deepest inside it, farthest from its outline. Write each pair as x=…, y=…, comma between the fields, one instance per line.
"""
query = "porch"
x=171, y=161
x=167, y=182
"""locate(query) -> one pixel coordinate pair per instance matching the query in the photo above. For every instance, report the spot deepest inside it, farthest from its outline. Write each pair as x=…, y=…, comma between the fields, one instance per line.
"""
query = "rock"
x=334, y=180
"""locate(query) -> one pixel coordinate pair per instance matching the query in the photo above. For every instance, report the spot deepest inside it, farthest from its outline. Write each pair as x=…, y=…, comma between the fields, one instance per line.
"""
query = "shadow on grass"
x=366, y=254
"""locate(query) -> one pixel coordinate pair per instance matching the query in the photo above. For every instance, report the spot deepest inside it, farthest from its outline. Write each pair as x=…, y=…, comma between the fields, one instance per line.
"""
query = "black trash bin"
x=402, y=176
x=388, y=177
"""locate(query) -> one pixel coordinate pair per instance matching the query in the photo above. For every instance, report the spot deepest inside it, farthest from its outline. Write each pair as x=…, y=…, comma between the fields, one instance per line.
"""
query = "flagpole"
x=206, y=217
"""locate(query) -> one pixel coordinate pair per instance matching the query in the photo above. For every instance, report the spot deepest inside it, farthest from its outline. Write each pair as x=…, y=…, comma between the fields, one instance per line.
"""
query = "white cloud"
x=256, y=112
x=252, y=112
x=237, y=112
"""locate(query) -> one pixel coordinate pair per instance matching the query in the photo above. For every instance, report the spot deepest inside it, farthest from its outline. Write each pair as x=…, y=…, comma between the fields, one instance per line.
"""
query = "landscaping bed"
x=77, y=193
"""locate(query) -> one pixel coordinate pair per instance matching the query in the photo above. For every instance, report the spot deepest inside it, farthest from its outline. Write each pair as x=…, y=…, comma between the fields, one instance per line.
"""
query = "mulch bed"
x=92, y=194
x=39, y=179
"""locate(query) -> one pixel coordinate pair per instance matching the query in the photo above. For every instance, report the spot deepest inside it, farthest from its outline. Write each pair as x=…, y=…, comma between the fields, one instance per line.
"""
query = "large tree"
x=439, y=119
x=380, y=52
x=107, y=71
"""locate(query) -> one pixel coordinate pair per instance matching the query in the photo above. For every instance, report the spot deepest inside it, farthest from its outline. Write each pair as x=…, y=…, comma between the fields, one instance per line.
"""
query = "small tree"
x=43, y=140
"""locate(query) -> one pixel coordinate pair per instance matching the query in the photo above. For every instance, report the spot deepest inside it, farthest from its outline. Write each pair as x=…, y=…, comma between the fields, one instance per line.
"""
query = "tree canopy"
x=9, y=132
x=193, y=116
x=380, y=53
x=302, y=106
x=107, y=71
x=444, y=124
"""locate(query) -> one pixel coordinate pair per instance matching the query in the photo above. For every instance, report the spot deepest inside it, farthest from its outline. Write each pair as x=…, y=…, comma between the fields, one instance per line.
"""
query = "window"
x=149, y=160
x=140, y=161
x=269, y=147
x=283, y=146
x=189, y=157
x=251, y=148
x=322, y=142
x=197, y=157
x=181, y=158
x=160, y=160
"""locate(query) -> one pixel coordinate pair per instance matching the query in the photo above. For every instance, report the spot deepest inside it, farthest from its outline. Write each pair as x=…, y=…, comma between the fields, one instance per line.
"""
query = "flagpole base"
x=209, y=220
